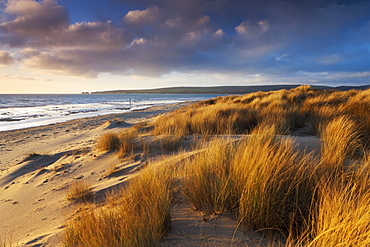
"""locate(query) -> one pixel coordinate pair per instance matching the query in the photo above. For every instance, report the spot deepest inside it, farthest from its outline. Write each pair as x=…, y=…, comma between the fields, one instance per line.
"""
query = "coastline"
x=14, y=144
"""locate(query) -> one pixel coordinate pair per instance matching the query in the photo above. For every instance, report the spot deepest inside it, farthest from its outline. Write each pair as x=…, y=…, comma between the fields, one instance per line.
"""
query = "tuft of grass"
x=206, y=177
x=261, y=178
x=273, y=184
x=340, y=139
x=127, y=143
x=109, y=142
x=80, y=191
x=123, y=143
x=342, y=216
x=138, y=216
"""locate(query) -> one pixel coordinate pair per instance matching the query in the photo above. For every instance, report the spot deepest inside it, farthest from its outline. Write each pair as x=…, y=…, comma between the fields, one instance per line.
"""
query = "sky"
x=70, y=46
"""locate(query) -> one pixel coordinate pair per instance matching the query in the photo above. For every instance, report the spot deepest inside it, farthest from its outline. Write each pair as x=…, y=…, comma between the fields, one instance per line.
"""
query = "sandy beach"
x=15, y=144
x=37, y=165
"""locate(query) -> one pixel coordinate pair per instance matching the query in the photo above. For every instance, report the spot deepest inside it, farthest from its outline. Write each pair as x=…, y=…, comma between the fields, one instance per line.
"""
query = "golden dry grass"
x=288, y=110
x=137, y=216
x=80, y=191
x=127, y=142
x=273, y=183
x=109, y=142
x=261, y=178
x=270, y=186
x=206, y=176
x=312, y=199
x=340, y=139
x=342, y=216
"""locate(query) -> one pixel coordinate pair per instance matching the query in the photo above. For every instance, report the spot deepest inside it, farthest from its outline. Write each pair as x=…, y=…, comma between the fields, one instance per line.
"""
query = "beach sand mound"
x=115, y=123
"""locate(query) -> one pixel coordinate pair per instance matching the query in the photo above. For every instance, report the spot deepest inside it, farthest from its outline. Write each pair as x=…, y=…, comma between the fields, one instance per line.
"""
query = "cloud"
x=70, y=62
x=153, y=38
x=253, y=28
x=283, y=57
x=34, y=18
x=5, y=58
x=45, y=25
x=97, y=35
x=173, y=22
x=146, y=16
x=219, y=33
x=16, y=77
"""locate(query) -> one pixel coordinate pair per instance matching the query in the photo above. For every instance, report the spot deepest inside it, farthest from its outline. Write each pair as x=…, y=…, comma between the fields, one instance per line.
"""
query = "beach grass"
x=340, y=141
x=136, y=216
x=247, y=162
x=80, y=191
x=287, y=110
x=273, y=183
x=206, y=176
x=341, y=216
x=127, y=143
x=109, y=142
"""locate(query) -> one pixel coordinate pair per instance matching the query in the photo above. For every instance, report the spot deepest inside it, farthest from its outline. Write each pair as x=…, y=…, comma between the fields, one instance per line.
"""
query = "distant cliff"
x=221, y=89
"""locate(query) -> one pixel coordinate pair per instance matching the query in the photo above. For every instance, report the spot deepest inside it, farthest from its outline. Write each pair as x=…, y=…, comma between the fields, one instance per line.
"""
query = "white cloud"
x=219, y=33
x=142, y=16
x=243, y=27
x=283, y=57
x=139, y=41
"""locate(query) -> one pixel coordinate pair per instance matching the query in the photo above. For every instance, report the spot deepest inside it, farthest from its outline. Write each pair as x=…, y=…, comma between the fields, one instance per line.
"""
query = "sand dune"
x=38, y=165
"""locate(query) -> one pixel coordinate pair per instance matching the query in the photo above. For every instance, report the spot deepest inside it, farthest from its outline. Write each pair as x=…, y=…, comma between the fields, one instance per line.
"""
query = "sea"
x=19, y=111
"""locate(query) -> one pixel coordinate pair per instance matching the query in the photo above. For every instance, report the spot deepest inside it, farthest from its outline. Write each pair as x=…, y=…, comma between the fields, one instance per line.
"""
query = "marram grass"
x=137, y=216
x=314, y=199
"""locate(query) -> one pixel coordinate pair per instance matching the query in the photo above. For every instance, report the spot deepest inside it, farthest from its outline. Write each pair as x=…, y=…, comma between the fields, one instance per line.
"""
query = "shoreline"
x=14, y=144
x=42, y=116
x=94, y=120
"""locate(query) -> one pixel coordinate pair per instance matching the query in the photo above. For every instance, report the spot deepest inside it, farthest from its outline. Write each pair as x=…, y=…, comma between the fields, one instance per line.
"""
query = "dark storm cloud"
x=277, y=38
